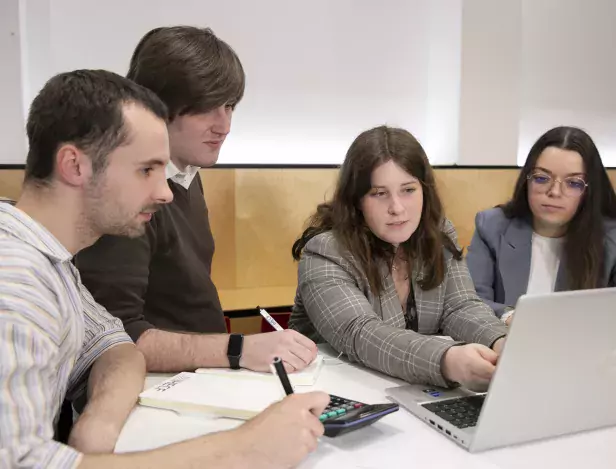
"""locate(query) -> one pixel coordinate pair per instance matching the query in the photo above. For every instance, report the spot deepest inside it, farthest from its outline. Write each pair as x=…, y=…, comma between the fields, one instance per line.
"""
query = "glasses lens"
x=574, y=186
x=540, y=181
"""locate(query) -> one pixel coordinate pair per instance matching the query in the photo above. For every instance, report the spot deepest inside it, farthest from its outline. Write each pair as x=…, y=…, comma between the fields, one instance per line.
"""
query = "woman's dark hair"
x=584, y=245
x=343, y=216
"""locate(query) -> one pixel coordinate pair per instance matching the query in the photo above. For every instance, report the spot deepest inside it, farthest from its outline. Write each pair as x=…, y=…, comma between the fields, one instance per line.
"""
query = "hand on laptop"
x=498, y=346
x=295, y=350
x=283, y=434
x=471, y=365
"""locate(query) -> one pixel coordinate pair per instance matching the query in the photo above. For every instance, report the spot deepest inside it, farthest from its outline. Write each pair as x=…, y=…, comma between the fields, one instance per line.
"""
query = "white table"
x=399, y=440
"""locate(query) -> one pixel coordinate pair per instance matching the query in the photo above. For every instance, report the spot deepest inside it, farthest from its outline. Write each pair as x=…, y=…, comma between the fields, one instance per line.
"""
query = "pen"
x=278, y=369
x=272, y=322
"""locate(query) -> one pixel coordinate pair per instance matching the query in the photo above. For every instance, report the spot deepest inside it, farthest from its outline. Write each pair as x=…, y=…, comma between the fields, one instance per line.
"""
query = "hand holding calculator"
x=341, y=415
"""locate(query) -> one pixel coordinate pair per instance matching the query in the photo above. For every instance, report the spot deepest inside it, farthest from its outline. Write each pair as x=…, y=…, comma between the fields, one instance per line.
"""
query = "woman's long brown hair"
x=343, y=216
x=584, y=248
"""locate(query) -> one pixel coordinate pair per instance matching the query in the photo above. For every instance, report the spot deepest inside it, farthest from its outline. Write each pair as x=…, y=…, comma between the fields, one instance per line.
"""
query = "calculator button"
x=332, y=414
x=323, y=417
x=341, y=411
x=349, y=407
x=358, y=405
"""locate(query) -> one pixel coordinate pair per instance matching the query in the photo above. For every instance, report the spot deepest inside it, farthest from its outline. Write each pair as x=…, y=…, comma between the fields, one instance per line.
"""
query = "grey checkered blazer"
x=334, y=303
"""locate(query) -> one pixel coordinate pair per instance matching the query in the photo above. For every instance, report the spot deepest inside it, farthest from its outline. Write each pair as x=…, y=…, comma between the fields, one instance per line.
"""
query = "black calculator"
x=344, y=415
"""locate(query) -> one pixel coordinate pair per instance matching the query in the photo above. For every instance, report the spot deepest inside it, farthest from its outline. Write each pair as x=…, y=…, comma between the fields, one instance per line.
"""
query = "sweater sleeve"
x=116, y=272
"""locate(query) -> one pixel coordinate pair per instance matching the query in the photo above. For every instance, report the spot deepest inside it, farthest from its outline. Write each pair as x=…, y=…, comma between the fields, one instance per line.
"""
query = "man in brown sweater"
x=160, y=284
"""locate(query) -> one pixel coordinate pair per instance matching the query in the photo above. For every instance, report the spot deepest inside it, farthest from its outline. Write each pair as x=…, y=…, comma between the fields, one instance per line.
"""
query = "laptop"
x=556, y=376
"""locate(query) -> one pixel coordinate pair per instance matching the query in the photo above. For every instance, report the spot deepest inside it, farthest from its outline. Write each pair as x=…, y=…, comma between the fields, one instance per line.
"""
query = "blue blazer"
x=500, y=253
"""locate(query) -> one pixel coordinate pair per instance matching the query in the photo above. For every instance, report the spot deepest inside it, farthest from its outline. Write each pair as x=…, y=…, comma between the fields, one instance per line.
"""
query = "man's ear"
x=73, y=166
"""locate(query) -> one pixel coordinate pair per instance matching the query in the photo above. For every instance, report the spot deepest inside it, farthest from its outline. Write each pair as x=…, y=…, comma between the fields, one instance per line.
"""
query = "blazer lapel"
x=514, y=259
x=429, y=303
x=561, y=276
x=391, y=309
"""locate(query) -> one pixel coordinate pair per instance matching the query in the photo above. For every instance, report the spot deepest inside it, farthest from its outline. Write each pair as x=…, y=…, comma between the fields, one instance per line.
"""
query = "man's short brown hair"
x=85, y=108
x=190, y=69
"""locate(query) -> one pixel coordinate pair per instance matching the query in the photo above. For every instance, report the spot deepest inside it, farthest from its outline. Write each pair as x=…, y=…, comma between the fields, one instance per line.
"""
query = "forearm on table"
x=498, y=308
x=171, y=352
x=399, y=353
x=115, y=381
x=215, y=450
x=473, y=322
x=413, y=357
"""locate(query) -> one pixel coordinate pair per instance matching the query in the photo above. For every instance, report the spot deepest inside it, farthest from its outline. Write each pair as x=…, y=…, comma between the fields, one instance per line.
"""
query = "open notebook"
x=306, y=377
x=223, y=396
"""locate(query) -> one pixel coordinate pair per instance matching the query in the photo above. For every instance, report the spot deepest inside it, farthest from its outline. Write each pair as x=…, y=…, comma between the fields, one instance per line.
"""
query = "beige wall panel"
x=272, y=206
x=219, y=191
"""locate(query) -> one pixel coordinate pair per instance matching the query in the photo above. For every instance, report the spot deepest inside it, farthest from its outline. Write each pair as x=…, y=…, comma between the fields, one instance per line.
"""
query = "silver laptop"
x=557, y=375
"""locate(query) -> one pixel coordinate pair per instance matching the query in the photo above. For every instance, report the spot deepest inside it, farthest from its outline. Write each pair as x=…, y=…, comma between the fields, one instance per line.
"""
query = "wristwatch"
x=234, y=350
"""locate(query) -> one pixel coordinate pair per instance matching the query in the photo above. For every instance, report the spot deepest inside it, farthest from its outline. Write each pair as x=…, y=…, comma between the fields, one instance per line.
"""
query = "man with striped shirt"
x=98, y=147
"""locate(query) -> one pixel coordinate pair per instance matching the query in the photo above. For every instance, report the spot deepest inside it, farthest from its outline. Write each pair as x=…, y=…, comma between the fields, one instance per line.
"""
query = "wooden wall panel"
x=256, y=215
x=468, y=191
x=271, y=209
x=10, y=183
x=219, y=190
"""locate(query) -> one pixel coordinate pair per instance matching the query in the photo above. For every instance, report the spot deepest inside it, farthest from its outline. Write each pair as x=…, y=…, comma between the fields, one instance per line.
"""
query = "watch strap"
x=234, y=350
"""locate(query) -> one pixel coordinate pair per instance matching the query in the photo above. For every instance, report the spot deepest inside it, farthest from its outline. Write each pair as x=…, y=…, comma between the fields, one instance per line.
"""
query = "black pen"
x=278, y=369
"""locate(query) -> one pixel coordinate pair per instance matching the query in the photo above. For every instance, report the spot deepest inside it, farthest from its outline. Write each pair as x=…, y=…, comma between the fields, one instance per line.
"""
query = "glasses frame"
x=554, y=180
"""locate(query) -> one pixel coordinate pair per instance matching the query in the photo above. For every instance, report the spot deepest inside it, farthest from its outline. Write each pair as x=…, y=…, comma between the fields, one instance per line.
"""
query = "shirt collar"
x=183, y=178
x=19, y=225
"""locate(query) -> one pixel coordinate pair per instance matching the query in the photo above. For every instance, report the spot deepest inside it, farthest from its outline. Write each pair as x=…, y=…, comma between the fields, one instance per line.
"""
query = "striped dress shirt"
x=51, y=332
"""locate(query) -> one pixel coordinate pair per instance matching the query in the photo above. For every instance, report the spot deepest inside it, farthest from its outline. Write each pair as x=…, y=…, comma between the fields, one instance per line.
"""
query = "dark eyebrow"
x=152, y=162
x=413, y=181
x=539, y=168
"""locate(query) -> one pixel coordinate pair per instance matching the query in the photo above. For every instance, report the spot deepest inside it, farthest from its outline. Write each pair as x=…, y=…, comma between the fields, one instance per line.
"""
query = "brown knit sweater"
x=162, y=279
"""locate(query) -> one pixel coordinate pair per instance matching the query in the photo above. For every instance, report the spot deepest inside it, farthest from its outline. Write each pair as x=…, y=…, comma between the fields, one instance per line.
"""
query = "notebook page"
x=306, y=377
x=226, y=396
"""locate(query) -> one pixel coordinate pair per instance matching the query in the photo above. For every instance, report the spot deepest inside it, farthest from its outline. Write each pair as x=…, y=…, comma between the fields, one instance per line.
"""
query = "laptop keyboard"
x=462, y=412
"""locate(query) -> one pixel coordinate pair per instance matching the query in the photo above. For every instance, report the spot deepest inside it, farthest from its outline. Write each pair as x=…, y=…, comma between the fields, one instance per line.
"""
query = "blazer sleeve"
x=344, y=317
x=465, y=316
x=482, y=265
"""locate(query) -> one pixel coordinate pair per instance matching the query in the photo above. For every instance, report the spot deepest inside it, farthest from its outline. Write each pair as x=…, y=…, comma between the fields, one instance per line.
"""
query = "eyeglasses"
x=570, y=186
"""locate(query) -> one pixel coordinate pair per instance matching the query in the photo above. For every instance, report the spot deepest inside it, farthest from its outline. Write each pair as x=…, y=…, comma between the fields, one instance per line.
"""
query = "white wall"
x=12, y=131
x=490, y=82
x=569, y=71
x=477, y=81
x=317, y=73
x=37, y=60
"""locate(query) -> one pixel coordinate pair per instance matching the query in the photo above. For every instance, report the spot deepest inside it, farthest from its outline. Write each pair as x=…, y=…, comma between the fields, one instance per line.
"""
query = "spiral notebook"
x=216, y=395
x=306, y=377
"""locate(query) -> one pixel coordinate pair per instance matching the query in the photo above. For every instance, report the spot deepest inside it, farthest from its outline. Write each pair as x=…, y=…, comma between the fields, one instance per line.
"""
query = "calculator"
x=344, y=415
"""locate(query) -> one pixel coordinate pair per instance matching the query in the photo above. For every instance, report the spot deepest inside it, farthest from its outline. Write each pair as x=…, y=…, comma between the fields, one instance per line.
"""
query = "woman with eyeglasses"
x=558, y=231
